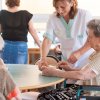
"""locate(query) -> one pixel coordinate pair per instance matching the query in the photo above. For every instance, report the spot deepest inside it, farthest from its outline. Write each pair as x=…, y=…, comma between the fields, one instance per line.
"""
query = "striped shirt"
x=94, y=62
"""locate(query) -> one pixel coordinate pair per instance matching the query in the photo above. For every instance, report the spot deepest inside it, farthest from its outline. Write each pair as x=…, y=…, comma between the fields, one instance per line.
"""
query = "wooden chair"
x=51, y=60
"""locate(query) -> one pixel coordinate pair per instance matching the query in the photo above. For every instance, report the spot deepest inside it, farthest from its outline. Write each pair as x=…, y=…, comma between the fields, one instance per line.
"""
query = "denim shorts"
x=15, y=52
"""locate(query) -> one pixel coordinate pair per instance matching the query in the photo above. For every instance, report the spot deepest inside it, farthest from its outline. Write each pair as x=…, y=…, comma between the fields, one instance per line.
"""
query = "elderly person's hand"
x=49, y=71
x=42, y=64
x=64, y=65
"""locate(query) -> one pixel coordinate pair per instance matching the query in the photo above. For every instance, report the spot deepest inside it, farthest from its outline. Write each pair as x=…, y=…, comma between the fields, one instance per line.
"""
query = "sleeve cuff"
x=48, y=36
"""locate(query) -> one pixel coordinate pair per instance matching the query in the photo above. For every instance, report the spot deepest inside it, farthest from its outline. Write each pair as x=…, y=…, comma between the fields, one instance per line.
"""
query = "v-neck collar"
x=67, y=26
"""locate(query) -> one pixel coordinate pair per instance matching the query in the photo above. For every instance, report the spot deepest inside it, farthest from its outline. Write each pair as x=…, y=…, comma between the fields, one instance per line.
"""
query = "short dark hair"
x=73, y=10
x=12, y=3
x=95, y=26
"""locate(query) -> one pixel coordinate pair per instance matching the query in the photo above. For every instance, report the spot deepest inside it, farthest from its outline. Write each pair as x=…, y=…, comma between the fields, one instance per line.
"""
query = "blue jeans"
x=15, y=52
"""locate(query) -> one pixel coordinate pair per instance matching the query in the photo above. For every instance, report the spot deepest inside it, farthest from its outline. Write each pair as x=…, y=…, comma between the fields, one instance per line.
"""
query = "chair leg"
x=58, y=86
x=61, y=85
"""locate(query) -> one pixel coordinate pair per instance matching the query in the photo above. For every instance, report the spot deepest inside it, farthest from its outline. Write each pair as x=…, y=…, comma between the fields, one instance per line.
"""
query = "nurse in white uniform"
x=68, y=24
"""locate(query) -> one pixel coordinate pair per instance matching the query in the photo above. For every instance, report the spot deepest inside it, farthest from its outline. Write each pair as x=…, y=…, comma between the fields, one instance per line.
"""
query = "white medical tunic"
x=71, y=35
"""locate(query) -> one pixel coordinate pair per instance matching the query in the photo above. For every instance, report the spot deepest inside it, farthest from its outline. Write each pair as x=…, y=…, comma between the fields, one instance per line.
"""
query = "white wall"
x=0, y=4
x=35, y=6
x=91, y=5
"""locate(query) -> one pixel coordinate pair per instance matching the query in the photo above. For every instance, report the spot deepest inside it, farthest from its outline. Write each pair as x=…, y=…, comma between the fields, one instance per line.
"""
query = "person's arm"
x=67, y=66
x=77, y=54
x=10, y=90
x=44, y=51
x=83, y=74
x=33, y=32
x=14, y=95
x=46, y=44
x=51, y=71
x=83, y=49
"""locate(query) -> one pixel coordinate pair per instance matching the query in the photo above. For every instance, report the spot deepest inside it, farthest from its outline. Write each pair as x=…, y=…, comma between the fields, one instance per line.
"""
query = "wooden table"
x=29, y=77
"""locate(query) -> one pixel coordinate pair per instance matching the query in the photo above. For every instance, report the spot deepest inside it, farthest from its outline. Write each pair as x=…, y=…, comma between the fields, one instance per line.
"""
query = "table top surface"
x=29, y=77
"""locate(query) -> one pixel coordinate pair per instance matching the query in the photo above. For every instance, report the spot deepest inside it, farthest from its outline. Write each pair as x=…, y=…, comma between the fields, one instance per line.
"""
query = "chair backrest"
x=51, y=60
